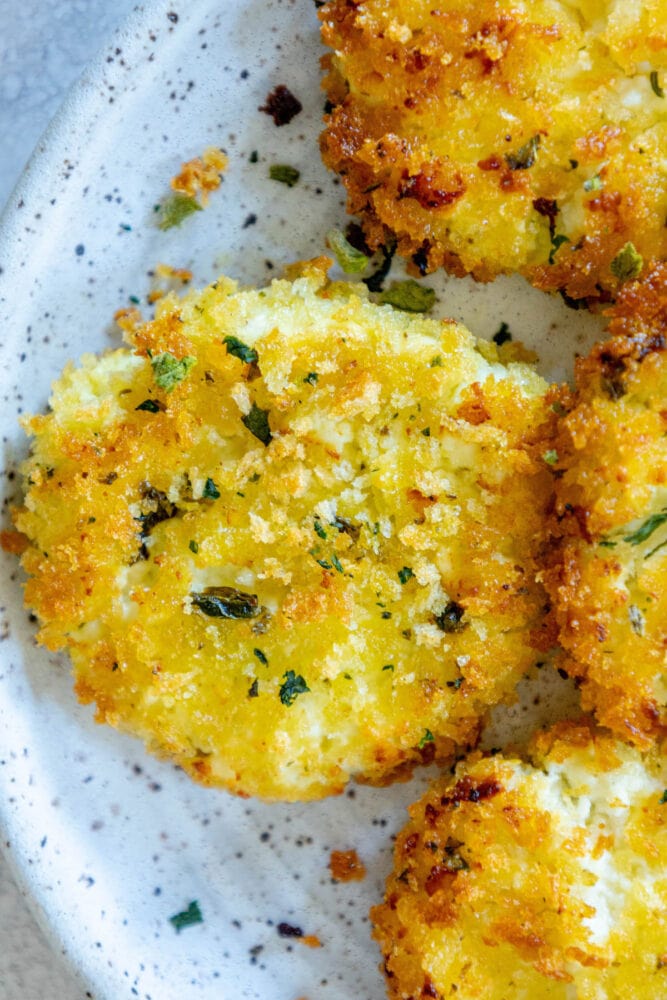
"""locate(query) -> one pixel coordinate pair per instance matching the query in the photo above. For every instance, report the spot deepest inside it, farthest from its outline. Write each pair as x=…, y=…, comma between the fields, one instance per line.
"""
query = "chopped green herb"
x=210, y=491
x=656, y=549
x=456, y=684
x=319, y=530
x=311, y=378
x=627, y=264
x=450, y=620
x=524, y=158
x=436, y=362
x=426, y=738
x=335, y=562
x=293, y=685
x=350, y=260
x=186, y=918
x=176, y=209
x=409, y=296
x=550, y=456
x=663, y=798
x=606, y=543
x=149, y=405
x=556, y=243
x=388, y=666
x=193, y=546
x=559, y=409
x=323, y=563
x=284, y=174
x=348, y=677
x=655, y=84
x=502, y=335
x=645, y=530
x=427, y=432
x=257, y=422
x=386, y=615
x=134, y=300
x=168, y=371
x=255, y=478
x=253, y=690
x=226, y=602
x=240, y=350
x=636, y=619
x=261, y=656
x=593, y=183
x=254, y=157
x=405, y=574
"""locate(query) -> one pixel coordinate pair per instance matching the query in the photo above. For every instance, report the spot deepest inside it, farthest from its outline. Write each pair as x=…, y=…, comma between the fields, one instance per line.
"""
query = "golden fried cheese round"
x=280, y=538
x=493, y=136
x=541, y=877
x=608, y=573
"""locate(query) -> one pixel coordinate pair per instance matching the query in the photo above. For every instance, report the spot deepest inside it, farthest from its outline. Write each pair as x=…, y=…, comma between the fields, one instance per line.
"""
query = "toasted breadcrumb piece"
x=492, y=137
x=279, y=537
x=607, y=574
x=541, y=877
x=200, y=176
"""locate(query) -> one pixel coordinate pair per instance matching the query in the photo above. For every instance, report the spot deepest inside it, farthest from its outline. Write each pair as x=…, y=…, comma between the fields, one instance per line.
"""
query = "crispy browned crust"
x=608, y=592
x=494, y=891
x=433, y=112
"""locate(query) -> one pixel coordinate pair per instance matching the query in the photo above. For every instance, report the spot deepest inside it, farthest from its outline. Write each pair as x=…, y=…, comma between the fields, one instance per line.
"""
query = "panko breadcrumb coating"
x=608, y=574
x=531, y=879
x=279, y=540
x=494, y=137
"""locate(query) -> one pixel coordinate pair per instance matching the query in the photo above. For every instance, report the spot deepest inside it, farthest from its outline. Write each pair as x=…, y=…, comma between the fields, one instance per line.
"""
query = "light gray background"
x=44, y=46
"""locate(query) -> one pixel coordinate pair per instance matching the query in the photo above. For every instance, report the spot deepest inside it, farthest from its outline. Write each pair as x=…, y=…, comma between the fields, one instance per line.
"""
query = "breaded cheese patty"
x=280, y=539
x=494, y=137
x=527, y=879
x=608, y=573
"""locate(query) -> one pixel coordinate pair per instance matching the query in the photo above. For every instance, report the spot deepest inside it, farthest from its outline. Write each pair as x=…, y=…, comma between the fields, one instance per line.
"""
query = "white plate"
x=109, y=843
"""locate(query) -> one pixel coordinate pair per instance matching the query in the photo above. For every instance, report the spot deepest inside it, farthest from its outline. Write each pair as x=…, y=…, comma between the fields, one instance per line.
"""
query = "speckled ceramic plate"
x=109, y=843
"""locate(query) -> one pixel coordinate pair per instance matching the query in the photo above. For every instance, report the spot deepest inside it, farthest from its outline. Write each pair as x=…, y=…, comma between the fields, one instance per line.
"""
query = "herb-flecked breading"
x=495, y=137
x=541, y=877
x=608, y=568
x=332, y=537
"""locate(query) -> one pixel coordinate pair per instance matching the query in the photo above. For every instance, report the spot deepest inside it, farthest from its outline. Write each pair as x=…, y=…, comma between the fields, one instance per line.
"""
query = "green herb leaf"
x=253, y=690
x=606, y=543
x=350, y=260
x=257, y=422
x=226, y=602
x=449, y=620
x=502, y=334
x=293, y=685
x=426, y=432
x=663, y=798
x=319, y=530
x=550, y=456
x=186, y=918
x=193, y=546
x=426, y=738
x=405, y=574
x=335, y=562
x=593, y=183
x=627, y=264
x=284, y=174
x=240, y=350
x=375, y=280
x=210, y=491
x=409, y=296
x=261, y=656
x=149, y=405
x=388, y=666
x=176, y=209
x=456, y=684
x=556, y=243
x=655, y=84
x=525, y=156
x=311, y=378
x=436, y=362
x=645, y=530
x=168, y=371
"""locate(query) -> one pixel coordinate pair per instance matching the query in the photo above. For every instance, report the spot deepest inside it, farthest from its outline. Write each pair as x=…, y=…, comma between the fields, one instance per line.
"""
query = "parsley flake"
x=388, y=666
x=405, y=574
x=550, y=456
x=240, y=350
x=261, y=656
x=655, y=84
x=149, y=405
x=627, y=264
x=428, y=737
x=193, y=546
x=502, y=334
x=293, y=685
x=646, y=529
x=335, y=562
x=311, y=378
x=350, y=260
x=284, y=174
x=176, y=209
x=257, y=422
x=210, y=491
x=168, y=370
x=186, y=918
x=593, y=183
x=436, y=362
x=319, y=530
x=253, y=690
x=663, y=798
x=557, y=241
x=226, y=602
x=524, y=158
x=409, y=296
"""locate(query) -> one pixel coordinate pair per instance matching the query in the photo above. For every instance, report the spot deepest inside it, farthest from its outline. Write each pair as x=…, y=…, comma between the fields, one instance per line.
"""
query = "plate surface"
x=108, y=842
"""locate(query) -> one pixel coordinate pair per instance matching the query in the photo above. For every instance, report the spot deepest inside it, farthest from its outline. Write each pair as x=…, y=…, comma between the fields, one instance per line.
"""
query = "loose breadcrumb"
x=494, y=137
x=280, y=540
x=536, y=878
